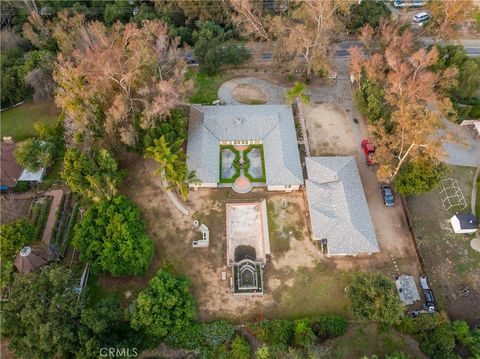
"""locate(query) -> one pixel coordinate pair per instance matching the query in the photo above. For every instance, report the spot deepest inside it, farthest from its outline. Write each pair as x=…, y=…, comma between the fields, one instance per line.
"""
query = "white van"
x=421, y=17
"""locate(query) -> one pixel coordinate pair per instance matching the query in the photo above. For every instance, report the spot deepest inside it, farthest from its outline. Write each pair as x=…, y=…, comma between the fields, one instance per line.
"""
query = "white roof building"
x=338, y=208
x=270, y=125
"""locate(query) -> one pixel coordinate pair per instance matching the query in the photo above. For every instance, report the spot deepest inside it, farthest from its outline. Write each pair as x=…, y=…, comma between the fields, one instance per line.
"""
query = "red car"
x=369, y=150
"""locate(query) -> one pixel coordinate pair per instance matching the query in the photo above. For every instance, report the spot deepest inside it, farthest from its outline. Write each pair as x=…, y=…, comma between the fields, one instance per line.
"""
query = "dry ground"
x=13, y=207
x=453, y=266
x=300, y=280
x=249, y=94
x=329, y=130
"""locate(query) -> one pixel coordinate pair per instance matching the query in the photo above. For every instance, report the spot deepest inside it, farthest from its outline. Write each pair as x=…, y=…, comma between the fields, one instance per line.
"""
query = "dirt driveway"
x=329, y=130
x=332, y=132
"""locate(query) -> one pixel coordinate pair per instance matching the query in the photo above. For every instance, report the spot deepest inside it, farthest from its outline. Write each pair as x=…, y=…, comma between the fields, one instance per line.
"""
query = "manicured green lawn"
x=18, y=122
x=205, y=88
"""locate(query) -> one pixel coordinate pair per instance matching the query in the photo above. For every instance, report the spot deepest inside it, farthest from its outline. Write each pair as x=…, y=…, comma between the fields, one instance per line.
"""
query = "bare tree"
x=413, y=91
x=250, y=20
x=130, y=74
x=447, y=16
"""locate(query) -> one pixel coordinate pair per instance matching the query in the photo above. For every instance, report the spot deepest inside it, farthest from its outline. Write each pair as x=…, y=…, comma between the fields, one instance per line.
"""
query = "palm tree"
x=297, y=91
x=168, y=156
x=173, y=166
x=181, y=178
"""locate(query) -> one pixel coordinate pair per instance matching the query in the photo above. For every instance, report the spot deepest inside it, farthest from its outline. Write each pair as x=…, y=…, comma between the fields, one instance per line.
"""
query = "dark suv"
x=387, y=193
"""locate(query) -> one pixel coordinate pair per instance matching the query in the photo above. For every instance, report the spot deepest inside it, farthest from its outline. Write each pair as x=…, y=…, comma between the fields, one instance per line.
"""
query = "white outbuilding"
x=464, y=223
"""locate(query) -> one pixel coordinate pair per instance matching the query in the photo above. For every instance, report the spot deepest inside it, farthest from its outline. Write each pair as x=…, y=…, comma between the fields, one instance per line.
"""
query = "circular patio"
x=242, y=185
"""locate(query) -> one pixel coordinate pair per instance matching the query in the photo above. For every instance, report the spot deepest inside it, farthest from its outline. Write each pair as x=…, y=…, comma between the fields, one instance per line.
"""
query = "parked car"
x=368, y=150
x=421, y=17
x=430, y=302
x=387, y=194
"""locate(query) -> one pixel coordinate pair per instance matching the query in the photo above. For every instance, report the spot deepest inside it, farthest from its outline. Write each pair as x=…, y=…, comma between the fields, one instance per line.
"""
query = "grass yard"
x=452, y=265
x=18, y=122
x=368, y=340
x=308, y=292
x=205, y=87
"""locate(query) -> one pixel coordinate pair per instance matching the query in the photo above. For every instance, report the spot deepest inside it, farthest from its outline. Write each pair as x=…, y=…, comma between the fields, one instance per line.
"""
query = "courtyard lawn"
x=451, y=263
x=254, y=164
x=205, y=88
x=18, y=121
x=229, y=155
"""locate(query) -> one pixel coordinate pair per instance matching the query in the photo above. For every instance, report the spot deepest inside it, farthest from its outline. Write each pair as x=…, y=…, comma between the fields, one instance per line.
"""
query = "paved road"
x=460, y=147
x=472, y=46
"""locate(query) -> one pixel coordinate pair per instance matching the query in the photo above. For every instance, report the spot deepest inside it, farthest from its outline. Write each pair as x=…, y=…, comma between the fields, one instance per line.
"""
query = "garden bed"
x=38, y=215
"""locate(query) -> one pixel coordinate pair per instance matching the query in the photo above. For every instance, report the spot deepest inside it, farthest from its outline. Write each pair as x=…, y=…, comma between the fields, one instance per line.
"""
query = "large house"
x=339, y=213
x=269, y=126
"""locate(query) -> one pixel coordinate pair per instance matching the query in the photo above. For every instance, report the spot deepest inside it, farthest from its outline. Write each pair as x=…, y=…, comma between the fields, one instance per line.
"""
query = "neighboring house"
x=271, y=126
x=11, y=171
x=339, y=213
x=464, y=223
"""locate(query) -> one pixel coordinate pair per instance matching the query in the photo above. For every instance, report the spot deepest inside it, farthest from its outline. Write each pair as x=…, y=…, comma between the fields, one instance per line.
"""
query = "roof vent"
x=238, y=121
x=25, y=251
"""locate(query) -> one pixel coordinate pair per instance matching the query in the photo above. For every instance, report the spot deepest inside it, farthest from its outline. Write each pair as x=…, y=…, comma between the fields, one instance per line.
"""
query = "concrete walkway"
x=276, y=94
x=52, y=215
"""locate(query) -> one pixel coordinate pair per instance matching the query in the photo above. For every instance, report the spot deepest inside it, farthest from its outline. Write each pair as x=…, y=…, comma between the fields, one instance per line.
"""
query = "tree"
x=330, y=326
x=45, y=318
x=304, y=39
x=435, y=334
x=120, y=10
x=419, y=176
x=214, y=48
x=447, y=16
x=414, y=94
x=370, y=101
x=367, y=12
x=303, y=335
x=95, y=176
x=173, y=167
x=206, y=10
x=250, y=19
x=117, y=79
x=34, y=154
x=374, y=298
x=174, y=128
x=111, y=237
x=274, y=332
x=241, y=348
x=166, y=306
x=468, y=80
x=13, y=237
x=297, y=92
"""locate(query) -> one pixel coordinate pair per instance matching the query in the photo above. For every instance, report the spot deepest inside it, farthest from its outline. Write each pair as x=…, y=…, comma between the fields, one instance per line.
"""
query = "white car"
x=421, y=17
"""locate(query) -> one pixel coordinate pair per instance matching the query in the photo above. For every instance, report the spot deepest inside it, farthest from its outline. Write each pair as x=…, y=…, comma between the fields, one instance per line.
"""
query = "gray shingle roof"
x=271, y=124
x=467, y=220
x=338, y=207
